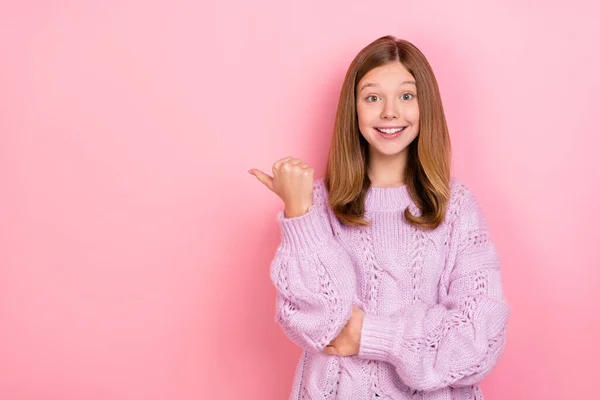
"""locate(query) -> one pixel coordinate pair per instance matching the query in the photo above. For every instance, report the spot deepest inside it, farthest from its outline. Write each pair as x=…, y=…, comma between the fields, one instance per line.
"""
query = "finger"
x=330, y=350
x=264, y=178
x=292, y=164
x=278, y=163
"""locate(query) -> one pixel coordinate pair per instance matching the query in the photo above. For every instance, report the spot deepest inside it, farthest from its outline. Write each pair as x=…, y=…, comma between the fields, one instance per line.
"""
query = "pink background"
x=135, y=247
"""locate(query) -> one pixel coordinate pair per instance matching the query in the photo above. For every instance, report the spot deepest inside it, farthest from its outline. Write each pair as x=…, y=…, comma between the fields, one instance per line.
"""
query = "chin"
x=390, y=153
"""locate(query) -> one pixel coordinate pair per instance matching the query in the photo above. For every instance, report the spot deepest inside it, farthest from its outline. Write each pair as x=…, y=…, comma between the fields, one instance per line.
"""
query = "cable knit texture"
x=435, y=314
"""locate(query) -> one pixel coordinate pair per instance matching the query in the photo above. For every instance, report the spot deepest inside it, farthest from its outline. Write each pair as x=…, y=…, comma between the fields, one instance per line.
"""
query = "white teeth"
x=390, y=131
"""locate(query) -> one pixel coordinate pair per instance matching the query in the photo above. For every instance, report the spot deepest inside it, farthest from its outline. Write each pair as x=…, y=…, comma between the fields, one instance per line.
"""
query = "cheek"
x=413, y=115
x=362, y=116
x=369, y=115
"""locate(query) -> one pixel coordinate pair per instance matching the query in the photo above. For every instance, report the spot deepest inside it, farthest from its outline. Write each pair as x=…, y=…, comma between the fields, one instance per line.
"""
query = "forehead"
x=389, y=74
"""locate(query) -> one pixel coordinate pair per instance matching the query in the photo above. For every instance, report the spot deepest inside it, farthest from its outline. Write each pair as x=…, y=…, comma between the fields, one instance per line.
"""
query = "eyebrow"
x=366, y=85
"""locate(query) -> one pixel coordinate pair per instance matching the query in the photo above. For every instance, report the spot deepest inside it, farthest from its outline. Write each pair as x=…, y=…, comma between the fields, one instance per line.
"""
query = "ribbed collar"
x=387, y=198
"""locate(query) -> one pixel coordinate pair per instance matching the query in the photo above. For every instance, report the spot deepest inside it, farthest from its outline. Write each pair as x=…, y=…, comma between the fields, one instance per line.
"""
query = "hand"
x=348, y=341
x=292, y=181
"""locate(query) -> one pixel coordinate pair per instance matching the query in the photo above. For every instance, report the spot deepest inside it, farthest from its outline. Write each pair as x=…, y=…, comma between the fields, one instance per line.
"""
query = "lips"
x=390, y=130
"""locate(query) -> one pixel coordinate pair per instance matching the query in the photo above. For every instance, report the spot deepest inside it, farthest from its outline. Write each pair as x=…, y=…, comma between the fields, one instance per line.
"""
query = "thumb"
x=332, y=351
x=264, y=178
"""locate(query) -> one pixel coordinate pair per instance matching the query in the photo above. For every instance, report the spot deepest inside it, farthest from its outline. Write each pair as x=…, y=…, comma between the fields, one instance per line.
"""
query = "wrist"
x=296, y=210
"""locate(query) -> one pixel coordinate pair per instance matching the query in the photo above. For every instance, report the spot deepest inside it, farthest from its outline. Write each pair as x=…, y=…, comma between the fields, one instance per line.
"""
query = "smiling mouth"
x=391, y=131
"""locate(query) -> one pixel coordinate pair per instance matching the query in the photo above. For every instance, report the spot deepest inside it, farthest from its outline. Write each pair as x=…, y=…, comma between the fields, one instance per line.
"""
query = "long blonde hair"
x=427, y=172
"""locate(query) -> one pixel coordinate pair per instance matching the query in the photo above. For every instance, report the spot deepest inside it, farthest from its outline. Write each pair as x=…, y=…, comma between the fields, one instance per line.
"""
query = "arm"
x=313, y=275
x=458, y=341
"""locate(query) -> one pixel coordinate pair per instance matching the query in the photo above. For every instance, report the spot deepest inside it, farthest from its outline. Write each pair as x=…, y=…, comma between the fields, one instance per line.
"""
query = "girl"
x=385, y=273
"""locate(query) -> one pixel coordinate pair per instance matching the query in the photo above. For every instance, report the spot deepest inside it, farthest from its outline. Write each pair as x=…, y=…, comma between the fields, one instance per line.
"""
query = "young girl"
x=385, y=274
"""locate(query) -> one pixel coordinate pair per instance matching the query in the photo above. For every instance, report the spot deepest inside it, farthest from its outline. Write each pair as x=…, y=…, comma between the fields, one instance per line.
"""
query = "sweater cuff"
x=304, y=234
x=378, y=336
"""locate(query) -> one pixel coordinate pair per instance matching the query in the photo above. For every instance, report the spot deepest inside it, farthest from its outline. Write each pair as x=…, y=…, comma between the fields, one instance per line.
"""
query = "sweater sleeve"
x=313, y=275
x=458, y=341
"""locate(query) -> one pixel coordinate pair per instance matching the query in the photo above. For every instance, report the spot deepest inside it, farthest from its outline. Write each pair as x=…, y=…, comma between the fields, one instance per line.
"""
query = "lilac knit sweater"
x=436, y=316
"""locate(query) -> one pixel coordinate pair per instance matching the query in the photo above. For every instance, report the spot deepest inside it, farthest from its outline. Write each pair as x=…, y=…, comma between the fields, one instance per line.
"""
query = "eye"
x=371, y=98
x=410, y=96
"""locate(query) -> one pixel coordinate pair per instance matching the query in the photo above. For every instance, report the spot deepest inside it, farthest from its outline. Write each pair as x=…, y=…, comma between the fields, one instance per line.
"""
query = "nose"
x=390, y=110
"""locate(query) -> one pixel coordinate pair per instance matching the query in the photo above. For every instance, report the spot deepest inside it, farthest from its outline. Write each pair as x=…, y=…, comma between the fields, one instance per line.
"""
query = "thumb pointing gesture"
x=292, y=181
x=264, y=178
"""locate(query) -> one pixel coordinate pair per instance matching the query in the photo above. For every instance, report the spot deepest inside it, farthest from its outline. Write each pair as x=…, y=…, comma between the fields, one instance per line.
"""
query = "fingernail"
x=250, y=172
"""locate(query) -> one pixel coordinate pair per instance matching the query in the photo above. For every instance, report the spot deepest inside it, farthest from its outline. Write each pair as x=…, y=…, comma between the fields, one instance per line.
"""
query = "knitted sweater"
x=435, y=314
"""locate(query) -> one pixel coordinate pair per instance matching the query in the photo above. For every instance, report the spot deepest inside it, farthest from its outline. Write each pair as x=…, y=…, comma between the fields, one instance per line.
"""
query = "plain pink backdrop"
x=135, y=247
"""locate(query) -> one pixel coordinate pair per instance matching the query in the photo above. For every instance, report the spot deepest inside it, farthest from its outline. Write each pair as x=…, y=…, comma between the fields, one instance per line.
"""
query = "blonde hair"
x=427, y=172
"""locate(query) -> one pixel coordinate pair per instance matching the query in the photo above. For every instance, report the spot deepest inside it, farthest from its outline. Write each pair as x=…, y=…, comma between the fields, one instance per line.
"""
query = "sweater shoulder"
x=320, y=193
x=319, y=184
x=321, y=201
x=464, y=206
x=460, y=195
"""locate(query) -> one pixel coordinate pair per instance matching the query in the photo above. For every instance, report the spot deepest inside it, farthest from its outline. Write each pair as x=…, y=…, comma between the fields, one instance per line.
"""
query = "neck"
x=387, y=171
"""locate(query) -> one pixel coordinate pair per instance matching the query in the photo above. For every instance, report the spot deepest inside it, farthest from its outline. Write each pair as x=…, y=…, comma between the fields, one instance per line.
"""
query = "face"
x=388, y=111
